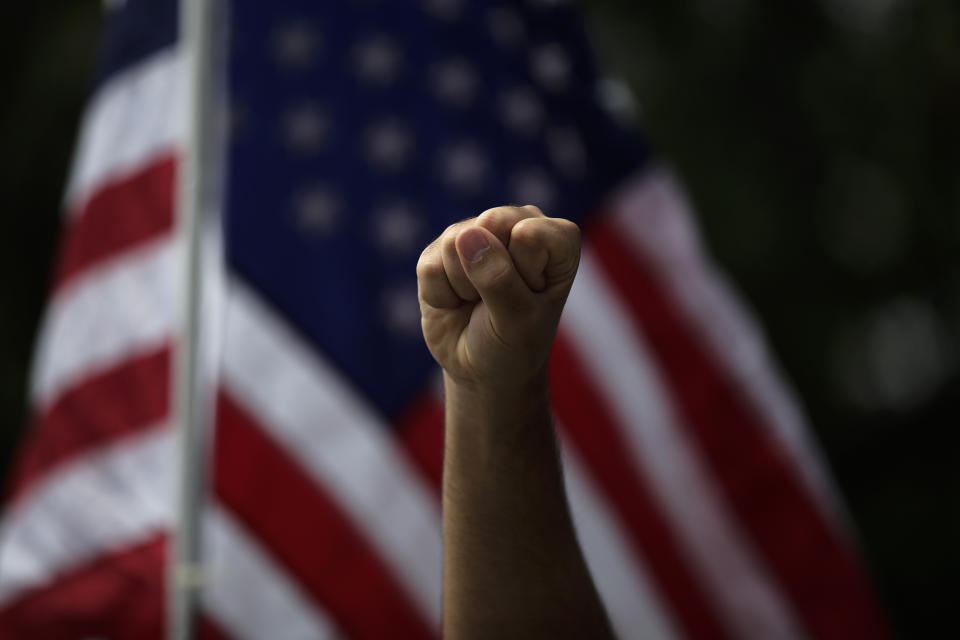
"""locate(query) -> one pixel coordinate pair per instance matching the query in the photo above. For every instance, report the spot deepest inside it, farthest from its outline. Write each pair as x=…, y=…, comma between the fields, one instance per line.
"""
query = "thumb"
x=491, y=270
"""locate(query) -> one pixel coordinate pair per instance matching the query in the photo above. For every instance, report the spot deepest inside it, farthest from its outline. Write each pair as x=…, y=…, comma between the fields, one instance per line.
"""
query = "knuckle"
x=493, y=212
x=534, y=209
x=448, y=242
x=500, y=220
x=569, y=231
x=568, y=227
x=494, y=218
x=428, y=254
x=450, y=233
x=429, y=268
x=529, y=231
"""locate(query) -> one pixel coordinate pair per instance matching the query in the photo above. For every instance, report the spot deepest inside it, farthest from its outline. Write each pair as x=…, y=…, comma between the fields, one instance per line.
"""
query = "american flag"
x=357, y=131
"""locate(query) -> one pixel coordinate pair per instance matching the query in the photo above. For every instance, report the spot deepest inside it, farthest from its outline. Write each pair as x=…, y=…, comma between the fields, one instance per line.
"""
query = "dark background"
x=820, y=142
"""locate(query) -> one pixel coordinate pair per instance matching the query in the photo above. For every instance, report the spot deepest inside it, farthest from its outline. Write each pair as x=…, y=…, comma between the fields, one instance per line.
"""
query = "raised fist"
x=491, y=291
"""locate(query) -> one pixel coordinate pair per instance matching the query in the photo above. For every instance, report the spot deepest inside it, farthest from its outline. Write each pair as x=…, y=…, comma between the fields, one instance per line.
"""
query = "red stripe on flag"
x=595, y=434
x=118, y=595
x=292, y=516
x=123, y=400
x=819, y=572
x=120, y=215
x=421, y=432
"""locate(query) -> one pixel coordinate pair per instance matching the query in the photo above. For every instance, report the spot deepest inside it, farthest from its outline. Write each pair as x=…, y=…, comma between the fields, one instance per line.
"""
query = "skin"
x=491, y=292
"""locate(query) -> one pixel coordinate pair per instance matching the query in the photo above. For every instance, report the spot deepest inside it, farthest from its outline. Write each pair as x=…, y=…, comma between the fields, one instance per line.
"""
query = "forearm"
x=491, y=290
x=512, y=565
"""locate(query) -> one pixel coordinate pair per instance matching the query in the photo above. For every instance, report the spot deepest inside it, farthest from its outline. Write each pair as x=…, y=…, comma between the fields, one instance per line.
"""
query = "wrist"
x=490, y=404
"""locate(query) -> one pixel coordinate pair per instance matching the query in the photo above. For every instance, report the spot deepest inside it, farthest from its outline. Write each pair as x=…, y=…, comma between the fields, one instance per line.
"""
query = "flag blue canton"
x=383, y=126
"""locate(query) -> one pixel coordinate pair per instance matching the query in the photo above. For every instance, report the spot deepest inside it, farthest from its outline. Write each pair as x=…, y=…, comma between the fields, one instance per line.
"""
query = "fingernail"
x=474, y=244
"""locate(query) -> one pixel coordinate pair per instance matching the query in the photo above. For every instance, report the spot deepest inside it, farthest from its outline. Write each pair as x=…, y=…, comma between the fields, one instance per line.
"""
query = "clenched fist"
x=491, y=291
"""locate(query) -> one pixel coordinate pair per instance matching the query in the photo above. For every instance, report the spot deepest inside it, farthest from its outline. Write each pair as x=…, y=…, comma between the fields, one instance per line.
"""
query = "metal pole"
x=189, y=406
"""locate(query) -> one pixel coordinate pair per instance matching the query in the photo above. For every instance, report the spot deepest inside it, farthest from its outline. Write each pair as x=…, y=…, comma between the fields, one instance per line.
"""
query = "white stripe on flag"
x=120, y=496
x=616, y=357
x=249, y=596
x=116, y=310
x=655, y=219
x=131, y=120
x=629, y=595
x=309, y=410
x=100, y=503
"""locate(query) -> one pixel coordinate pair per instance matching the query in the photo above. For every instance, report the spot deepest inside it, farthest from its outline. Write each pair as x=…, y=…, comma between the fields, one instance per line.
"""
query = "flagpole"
x=189, y=406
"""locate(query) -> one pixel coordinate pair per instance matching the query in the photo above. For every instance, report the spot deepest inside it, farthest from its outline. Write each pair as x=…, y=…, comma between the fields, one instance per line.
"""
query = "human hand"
x=491, y=291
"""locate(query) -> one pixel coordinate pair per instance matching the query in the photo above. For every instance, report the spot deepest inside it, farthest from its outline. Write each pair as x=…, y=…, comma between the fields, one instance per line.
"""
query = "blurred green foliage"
x=820, y=143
